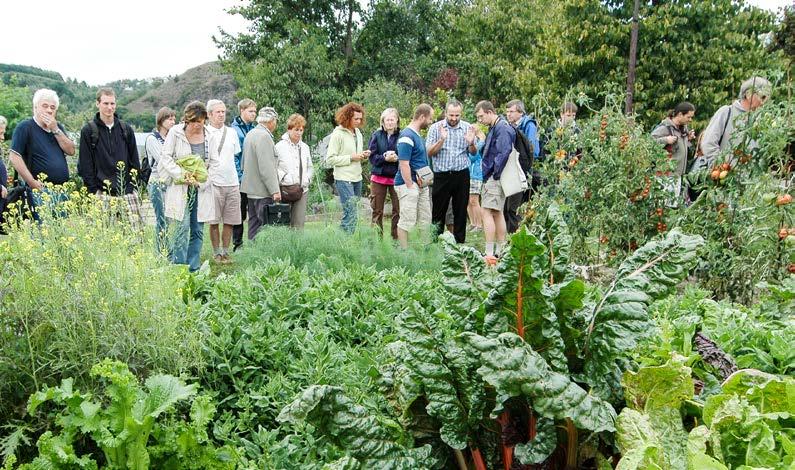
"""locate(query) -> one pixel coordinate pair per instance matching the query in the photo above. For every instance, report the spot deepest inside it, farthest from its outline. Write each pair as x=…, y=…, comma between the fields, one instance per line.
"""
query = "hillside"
x=199, y=83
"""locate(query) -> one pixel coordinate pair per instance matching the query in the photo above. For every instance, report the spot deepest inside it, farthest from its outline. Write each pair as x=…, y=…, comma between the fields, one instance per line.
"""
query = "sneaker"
x=490, y=260
x=476, y=229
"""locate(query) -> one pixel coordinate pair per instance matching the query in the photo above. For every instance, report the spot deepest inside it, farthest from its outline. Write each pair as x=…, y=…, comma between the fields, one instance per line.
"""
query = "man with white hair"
x=223, y=175
x=260, y=181
x=39, y=145
x=723, y=134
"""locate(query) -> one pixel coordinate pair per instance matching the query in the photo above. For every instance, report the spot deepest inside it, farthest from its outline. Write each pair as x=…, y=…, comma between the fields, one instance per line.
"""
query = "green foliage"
x=122, y=423
x=15, y=105
x=620, y=318
x=371, y=443
x=330, y=249
x=378, y=94
x=85, y=287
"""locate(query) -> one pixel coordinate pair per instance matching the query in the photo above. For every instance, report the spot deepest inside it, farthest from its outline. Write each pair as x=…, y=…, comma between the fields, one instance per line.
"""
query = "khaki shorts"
x=227, y=205
x=475, y=186
x=492, y=196
x=415, y=207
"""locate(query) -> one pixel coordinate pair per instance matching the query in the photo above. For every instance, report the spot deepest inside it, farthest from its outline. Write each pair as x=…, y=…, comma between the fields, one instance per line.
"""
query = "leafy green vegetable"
x=193, y=166
x=621, y=317
x=352, y=427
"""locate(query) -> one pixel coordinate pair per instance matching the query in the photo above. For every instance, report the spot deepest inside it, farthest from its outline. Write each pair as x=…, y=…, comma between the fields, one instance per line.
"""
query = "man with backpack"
x=108, y=156
x=527, y=135
x=497, y=149
x=242, y=124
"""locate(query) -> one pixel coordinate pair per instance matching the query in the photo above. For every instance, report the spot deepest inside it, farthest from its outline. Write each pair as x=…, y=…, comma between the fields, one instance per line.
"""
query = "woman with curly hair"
x=345, y=154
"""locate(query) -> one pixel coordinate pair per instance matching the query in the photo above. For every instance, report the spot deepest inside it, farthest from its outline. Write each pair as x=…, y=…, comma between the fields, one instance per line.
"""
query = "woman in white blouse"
x=294, y=166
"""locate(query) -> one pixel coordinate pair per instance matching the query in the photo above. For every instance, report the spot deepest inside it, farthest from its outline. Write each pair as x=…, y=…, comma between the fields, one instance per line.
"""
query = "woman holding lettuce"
x=186, y=153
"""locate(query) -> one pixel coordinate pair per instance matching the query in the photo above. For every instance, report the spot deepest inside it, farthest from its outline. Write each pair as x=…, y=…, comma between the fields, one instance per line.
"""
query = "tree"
x=16, y=104
x=295, y=74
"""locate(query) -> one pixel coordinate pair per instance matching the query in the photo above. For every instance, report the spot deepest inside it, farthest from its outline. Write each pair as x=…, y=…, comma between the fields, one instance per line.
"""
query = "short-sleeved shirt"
x=223, y=171
x=411, y=148
x=454, y=154
x=40, y=151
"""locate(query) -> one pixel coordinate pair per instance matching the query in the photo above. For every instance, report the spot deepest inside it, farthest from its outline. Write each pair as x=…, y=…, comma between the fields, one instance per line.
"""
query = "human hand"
x=37, y=185
x=442, y=132
x=3, y=192
x=366, y=154
x=470, y=135
x=691, y=134
x=671, y=139
x=277, y=197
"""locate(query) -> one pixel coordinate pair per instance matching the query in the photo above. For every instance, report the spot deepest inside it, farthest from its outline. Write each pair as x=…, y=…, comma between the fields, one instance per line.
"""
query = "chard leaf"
x=352, y=427
x=467, y=279
x=639, y=444
x=514, y=369
x=557, y=239
x=427, y=360
x=521, y=292
x=621, y=317
x=541, y=447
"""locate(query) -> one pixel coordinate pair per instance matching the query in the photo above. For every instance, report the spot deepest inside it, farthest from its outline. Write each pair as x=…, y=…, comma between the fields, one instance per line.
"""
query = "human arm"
x=86, y=167
x=435, y=141
x=502, y=147
x=376, y=159
x=152, y=148
x=167, y=164
x=713, y=135
x=3, y=179
x=335, y=155
x=51, y=125
x=267, y=167
x=310, y=167
x=405, y=171
x=531, y=131
x=662, y=134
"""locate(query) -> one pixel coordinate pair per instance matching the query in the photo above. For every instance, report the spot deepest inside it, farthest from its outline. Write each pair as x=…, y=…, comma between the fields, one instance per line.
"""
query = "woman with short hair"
x=383, y=168
x=294, y=167
x=345, y=154
x=164, y=121
x=186, y=200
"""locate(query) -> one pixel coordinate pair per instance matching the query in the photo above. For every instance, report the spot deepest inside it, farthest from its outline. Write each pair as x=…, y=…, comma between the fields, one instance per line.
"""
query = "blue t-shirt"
x=40, y=151
x=411, y=148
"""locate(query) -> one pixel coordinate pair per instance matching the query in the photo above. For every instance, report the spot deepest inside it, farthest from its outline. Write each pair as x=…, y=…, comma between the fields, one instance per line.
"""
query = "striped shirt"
x=453, y=156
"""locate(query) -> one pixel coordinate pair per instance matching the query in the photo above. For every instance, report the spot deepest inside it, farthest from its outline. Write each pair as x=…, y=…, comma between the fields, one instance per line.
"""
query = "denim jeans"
x=350, y=193
x=156, y=192
x=189, y=235
x=48, y=204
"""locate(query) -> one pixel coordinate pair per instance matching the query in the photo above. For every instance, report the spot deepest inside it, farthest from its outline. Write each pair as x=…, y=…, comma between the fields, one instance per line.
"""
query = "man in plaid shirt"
x=449, y=142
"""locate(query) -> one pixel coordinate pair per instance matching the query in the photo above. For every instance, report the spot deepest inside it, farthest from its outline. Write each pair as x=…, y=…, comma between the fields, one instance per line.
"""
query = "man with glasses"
x=724, y=131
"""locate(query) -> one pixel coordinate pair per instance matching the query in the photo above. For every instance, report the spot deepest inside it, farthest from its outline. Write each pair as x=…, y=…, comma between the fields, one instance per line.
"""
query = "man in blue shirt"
x=449, y=145
x=515, y=113
x=40, y=145
x=498, y=147
x=245, y=122
x=415, y=202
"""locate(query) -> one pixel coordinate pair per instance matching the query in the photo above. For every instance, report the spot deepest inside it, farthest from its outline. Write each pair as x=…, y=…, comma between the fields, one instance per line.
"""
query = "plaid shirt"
x=453, y=156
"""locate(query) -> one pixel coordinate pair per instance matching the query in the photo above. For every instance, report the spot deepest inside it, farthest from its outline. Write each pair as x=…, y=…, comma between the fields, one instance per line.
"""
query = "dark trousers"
x=237, y=230
x=451, y=186
x=377, y=200
x=512, y=219
x=255, y=213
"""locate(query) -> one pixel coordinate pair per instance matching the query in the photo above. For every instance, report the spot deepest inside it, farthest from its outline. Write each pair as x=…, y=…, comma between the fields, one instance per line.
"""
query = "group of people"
x=447, y=179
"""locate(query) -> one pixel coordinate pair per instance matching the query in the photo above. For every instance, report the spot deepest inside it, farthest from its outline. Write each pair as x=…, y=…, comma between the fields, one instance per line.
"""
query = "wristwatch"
x=56, y=131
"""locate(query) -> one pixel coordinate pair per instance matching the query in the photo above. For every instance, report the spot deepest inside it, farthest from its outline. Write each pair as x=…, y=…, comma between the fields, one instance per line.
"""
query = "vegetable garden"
x=615, y=332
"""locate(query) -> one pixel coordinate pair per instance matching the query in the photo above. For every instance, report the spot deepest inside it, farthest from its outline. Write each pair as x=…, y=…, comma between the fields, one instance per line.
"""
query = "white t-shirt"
x=222, y=172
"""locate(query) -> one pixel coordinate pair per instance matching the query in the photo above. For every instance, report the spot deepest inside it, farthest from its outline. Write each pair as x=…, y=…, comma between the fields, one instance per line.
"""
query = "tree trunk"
x=633, y=55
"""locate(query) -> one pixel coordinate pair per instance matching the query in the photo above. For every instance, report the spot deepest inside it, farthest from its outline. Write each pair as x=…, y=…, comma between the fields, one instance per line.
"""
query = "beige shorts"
x=227, y=205
x=415, y=207
x=492, y=196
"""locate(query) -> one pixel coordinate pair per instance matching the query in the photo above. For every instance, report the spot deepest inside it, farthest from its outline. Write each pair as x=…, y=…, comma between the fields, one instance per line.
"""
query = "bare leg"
x=214, y=237
x=473, y=208
x=226, y=236
x=403, y=238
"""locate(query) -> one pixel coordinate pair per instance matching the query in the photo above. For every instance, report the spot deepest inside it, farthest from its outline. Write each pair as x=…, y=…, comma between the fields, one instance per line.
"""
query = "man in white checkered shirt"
x=449, y=142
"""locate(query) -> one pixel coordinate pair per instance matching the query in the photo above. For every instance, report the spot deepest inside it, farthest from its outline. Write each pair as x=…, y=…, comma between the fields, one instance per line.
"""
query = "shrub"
x=82, y=288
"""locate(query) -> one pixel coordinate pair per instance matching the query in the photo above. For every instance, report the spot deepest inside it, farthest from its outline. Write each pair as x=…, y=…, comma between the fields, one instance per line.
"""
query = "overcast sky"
x=101, y=41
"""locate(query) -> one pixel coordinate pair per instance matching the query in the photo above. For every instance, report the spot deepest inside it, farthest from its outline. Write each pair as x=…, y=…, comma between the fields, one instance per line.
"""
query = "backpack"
x=93, y=139
x=525, y=149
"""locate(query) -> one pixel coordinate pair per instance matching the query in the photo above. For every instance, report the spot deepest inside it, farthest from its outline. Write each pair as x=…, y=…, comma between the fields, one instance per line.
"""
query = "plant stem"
x=459, y=458
x=571, y=445
x=507, y=451
x=480, y=464
x=531, y=425
x=520, y=302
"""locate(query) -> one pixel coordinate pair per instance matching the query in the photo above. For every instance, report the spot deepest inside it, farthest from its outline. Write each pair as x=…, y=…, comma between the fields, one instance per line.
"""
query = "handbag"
x=424, y=176
x=513, y=179
x=276, y=214
x=294, y=192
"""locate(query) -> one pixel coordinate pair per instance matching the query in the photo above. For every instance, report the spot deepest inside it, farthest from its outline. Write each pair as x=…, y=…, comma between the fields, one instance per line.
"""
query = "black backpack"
x=525, y=148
